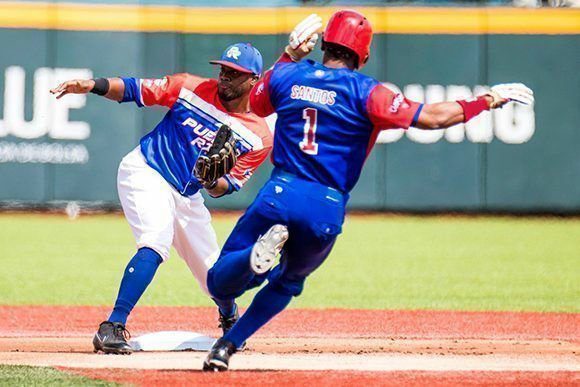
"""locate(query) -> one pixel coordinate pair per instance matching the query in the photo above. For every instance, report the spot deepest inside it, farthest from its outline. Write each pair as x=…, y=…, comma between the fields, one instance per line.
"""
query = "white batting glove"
x=303, y=30
x=304, y=37
x=506, y=92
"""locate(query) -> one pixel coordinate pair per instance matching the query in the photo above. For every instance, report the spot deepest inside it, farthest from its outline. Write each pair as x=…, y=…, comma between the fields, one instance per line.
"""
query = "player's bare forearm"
x=441, y=115
x=220, y=189
x=115, y=88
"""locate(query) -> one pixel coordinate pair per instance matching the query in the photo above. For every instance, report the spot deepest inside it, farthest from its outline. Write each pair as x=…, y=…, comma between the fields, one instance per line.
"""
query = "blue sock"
x=230, y=275
x=138, y=275
x=267, y=303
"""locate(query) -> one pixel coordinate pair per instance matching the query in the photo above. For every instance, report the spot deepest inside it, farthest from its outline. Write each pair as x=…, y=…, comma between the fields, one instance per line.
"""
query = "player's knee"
x=147, y=254
x=214, y=288
x=211, y=288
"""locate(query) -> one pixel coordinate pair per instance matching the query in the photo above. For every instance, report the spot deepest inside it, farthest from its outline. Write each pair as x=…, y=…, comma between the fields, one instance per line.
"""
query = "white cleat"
x=267, y=248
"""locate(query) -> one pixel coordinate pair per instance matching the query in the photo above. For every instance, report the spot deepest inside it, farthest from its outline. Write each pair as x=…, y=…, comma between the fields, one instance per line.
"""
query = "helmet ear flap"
x=365, y=60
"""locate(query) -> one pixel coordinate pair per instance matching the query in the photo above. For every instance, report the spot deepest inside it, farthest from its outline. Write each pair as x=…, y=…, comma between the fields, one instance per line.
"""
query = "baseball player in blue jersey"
x=329, y=117
x=159, y=182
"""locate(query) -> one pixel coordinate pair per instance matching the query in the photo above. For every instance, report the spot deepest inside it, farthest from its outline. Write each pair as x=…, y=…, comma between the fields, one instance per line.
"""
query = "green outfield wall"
x=516, y=159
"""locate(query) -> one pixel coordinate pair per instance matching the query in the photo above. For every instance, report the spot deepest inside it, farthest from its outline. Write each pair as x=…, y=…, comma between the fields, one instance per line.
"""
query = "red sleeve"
x=246, y=166
x=165, y=91
x=284, y=58
x=260, y=97
x=260, y=102
x=389, y=110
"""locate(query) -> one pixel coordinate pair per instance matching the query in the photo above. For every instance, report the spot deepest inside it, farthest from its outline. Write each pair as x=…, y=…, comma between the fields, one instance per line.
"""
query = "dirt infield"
x=321, y=347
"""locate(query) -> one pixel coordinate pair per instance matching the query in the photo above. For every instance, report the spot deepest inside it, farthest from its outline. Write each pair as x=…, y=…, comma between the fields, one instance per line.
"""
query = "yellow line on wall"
x=394, y=20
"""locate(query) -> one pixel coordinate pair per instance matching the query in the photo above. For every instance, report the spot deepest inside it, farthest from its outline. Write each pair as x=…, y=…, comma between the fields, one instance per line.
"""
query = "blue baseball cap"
x=242, y=57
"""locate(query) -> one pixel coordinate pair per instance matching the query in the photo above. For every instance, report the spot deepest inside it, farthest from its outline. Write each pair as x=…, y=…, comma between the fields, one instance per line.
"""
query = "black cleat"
x=112, y=338
x=226, y=324
x=218, y=358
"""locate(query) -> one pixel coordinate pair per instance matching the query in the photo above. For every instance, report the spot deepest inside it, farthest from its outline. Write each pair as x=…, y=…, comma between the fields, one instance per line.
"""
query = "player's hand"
x=75, y=86
x=219, y=159
x=304, y=37
x=506, y=92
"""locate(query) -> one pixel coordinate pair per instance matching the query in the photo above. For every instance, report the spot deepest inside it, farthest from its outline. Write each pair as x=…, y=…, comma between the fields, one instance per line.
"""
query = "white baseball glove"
x=506, y=92
x=304, y=37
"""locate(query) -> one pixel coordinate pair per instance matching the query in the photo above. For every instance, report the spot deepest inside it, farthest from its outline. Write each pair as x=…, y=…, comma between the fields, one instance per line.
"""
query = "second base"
x=172, y=341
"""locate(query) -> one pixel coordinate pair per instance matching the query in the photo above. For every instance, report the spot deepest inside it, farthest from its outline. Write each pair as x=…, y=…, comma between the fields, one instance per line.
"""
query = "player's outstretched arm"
x=144, y=92
x=111, y=88
x=445, y=114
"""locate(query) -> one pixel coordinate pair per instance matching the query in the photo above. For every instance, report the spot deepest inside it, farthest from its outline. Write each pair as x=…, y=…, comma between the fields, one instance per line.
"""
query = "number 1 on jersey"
x=308, y=144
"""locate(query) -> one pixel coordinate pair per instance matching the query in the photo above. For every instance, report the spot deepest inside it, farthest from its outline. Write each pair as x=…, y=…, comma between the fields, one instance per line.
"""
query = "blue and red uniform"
x=189, y=128
x=328, y=121
x=171, y=149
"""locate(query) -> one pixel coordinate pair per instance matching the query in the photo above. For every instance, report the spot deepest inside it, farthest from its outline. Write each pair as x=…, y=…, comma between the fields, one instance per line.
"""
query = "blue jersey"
x=328, y=119
x=188, y=129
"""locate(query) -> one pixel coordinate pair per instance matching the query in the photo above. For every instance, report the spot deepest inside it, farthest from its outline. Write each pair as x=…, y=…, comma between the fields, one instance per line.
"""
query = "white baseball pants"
x=160, y=217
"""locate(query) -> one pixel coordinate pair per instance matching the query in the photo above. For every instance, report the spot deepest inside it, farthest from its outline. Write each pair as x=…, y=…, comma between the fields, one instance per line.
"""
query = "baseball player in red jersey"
x=329, y=116
x=157, y=184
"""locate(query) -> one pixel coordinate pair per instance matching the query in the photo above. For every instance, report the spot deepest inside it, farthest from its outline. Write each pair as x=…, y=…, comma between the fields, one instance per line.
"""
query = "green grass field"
x=390, y=262
x=43, y=376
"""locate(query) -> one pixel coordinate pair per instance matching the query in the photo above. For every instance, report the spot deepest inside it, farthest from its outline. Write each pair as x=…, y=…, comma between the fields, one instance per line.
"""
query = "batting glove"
x=304, y=37
x=506, y=92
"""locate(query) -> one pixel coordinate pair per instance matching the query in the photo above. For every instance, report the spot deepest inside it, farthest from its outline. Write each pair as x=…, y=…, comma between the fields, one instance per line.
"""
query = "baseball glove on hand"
x=219, y=160
x=506, y=92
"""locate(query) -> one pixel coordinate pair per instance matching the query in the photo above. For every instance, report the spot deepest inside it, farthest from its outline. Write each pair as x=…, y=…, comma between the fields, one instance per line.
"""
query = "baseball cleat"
x=226, y=324
x=267, y=248
x=218, y=358
x=112, y=338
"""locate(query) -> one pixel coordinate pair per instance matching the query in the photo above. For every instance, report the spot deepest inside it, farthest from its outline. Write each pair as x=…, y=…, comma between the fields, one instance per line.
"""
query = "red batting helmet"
x=352, y=30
